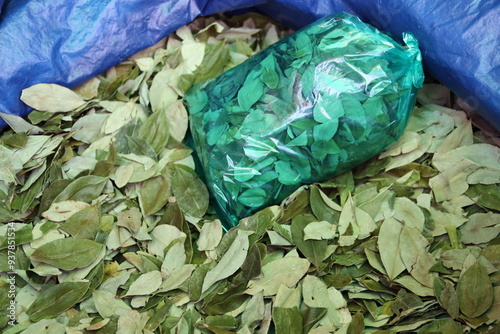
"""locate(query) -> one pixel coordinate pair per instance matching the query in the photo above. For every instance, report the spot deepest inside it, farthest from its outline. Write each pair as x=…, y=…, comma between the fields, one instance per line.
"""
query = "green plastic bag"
x=314, y=105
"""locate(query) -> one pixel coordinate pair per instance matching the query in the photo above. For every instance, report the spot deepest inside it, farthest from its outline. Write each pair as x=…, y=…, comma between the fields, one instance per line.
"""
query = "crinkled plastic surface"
x=314, y=105
x=70, y=41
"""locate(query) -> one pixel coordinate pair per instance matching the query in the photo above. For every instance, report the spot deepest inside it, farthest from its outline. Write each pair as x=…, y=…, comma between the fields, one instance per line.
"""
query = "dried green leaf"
x=461, y=136
x=252, y=267
x=452, y=182
x=406, y=301
x=287, y=320
x=389, y=245
x=61, y=211
x=174, y=258
x=375, y=260
x=474, y=291
x=287, y=271
x=130, y=219
x=409, y=149
x=159, y=316
x=51, y=98
x=319, y=230
x=232, y=300
x=88, y=89
x=494, y=311
x=441, y=219
x=122, y=114
x=313, y=250
x=177, y=114
x=107, y=304
x=254, y=311
x=161, y=94
x=312, y=316
x=323, y=207
x=83, y=224
x=287, y=297
x=357, y=326
x=19, y=125
x=229, y=263
x=216, y=55
x=415, y=256
x=483, y=155
x=162, y=236
x=210, y=235
x=68, y=253
x=354, y=223
x=131, y=322
x=446, y=296
x=154, y=193
x=146, y=284
x=177, y=278
x=405, y=210
x=481, y=228
x=190, y=192
x=87, y=129
x=84, y=189
x=156, y=130
x=414, y=286
x=12, y=165
x=56, y=299
x=487, y=196
x=196, y=280
x=448, y=326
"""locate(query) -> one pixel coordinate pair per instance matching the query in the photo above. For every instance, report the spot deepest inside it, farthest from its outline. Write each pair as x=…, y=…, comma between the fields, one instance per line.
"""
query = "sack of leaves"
x=316, y=104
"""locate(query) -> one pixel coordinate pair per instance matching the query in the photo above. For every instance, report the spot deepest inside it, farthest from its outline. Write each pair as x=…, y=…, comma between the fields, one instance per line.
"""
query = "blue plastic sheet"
x=69, y=41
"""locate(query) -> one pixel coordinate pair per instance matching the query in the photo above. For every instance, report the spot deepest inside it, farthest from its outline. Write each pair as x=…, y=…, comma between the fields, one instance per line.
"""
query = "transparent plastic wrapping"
x=316, y=104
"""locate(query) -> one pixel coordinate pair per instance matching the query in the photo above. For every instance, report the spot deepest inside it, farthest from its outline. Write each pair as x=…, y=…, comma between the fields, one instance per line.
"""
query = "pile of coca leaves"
x=114, y=232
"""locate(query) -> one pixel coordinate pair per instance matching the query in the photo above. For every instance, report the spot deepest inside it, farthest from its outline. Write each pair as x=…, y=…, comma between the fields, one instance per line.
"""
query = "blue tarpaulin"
x=69, y=41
